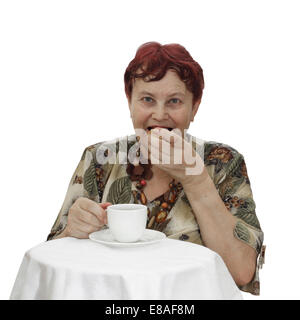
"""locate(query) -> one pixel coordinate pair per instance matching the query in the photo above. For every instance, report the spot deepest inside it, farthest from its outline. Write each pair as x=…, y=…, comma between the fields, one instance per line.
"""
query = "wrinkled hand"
x=171, y=153
x=85, y=216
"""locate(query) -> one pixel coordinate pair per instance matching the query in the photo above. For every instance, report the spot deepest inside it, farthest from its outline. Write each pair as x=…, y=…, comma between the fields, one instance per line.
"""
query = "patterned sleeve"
x=234, y=189
x=83, y=184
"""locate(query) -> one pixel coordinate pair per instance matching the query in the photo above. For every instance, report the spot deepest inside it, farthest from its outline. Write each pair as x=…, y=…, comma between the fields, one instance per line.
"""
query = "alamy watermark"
x=184, y=151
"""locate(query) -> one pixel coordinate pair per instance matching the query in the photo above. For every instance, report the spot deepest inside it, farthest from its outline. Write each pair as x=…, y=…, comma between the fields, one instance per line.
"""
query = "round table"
x=71, y=268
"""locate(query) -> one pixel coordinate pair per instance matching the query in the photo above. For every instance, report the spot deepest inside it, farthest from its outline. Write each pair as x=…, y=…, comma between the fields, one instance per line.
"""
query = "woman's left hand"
x=174, y=155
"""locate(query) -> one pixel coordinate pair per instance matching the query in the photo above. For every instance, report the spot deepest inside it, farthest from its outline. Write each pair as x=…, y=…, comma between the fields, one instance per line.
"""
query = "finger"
x=104, y=205
x=92, y=207
x=104, y=215
x=170, y=154
x=171, y=139
x=162, y=145
x=174, y=137
x=153, y=151
x=164, y=138
x=161, y=150
x=87, y=228
x=158, y=150
x=105, y=218
x=89, y=218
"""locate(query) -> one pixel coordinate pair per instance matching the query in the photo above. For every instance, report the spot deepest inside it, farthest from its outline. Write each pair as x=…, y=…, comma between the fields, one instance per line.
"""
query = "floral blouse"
x=109, y=182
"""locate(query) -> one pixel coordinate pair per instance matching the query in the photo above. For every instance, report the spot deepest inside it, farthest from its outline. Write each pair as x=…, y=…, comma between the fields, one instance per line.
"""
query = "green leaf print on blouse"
x=229, y=186
x=249, y=217
x=120, y=191
x=90, y=184
x=242, y=232
x=235, y=163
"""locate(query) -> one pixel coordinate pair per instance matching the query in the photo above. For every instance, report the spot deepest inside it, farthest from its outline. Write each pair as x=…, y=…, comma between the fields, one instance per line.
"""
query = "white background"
x=61, y=89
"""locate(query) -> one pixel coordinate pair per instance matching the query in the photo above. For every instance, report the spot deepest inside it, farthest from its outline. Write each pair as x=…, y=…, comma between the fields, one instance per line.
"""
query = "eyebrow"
x=170, y=95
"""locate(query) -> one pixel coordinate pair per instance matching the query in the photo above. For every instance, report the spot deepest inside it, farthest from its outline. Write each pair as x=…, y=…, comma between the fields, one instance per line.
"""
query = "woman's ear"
x=129, y=104
x=195, y=108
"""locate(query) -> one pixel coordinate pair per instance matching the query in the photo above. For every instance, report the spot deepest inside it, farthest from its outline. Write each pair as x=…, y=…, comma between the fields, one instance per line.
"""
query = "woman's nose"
x=160, y=113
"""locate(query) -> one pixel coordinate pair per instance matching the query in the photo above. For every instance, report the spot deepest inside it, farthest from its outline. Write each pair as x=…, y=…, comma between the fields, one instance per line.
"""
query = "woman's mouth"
x=153, y=127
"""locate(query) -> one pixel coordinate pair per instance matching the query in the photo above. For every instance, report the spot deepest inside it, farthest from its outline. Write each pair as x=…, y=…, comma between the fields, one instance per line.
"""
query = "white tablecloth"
x=71, y=268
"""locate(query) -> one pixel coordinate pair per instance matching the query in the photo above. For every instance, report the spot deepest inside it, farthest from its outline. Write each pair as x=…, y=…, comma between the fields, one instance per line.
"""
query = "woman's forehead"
x=168, y=85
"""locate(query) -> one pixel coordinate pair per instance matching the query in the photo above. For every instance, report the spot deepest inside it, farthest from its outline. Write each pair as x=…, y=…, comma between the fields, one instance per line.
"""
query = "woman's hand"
x=185, y=164
x=85, y=216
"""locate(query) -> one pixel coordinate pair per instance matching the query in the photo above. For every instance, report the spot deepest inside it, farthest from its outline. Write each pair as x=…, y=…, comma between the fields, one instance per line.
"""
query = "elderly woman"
x=210, y=205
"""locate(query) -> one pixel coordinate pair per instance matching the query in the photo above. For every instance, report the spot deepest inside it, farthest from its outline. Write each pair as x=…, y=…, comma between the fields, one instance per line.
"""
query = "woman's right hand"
x=85, y=216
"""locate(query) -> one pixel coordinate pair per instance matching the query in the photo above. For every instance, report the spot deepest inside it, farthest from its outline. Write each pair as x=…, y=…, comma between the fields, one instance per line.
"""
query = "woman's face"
x=164, y=103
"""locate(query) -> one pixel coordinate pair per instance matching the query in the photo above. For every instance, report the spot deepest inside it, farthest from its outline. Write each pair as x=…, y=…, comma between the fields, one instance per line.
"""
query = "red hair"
x=153, y=59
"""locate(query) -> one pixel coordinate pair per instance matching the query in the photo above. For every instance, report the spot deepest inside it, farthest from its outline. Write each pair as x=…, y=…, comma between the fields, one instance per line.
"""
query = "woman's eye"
x=147, y=99
x=175, y=100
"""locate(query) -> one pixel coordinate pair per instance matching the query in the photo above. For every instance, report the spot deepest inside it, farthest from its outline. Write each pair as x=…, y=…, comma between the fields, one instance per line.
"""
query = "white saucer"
x=148, y=237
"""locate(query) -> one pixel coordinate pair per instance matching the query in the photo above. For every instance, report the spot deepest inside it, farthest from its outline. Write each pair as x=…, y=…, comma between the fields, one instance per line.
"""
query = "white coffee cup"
x=127, y=222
